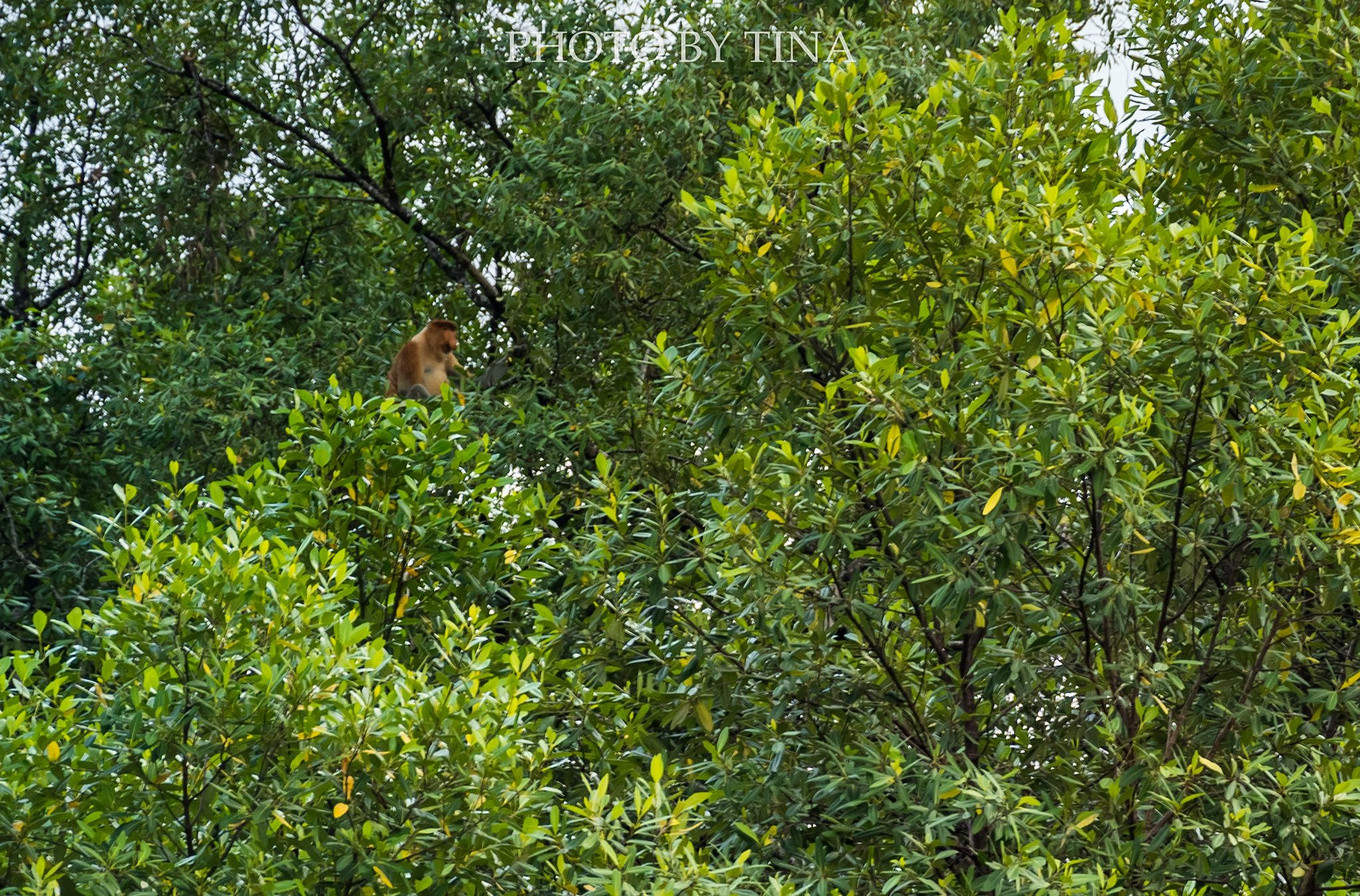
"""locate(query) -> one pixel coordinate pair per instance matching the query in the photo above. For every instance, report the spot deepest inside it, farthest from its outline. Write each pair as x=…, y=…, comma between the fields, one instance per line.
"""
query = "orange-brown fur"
x=426, y=362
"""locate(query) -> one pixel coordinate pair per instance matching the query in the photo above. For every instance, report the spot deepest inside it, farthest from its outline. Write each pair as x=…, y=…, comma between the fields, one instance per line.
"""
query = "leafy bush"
x=247, y=714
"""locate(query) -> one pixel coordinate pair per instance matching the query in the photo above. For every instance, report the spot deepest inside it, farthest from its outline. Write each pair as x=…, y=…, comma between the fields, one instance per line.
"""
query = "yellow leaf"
x=1350, y=681
x=1008, y=262
x=401, y=605
x=349, y=785
x=1299, y=490
x=950, y=793
x=894, y=440
x=763, y=249
x=770, y=514
x=934, y=284
x=979, y=618
x=340, y=809
x=382, y=877
x=704, y=715
x=1087, y=819
x=1210, y=764
x=53, y=751
x=944, y=379
x=1050, y=310
x=992, y=501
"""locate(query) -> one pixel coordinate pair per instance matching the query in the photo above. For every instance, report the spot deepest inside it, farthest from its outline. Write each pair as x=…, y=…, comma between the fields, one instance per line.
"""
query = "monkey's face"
x=449, y=341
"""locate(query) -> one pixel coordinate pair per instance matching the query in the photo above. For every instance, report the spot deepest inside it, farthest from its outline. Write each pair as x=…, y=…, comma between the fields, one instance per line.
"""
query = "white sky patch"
x=1119, y=73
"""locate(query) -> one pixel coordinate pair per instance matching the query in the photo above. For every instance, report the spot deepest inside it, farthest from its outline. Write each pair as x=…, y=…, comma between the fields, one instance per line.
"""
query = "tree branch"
x=1173, y=564
x=380, y=123
x=488, y=296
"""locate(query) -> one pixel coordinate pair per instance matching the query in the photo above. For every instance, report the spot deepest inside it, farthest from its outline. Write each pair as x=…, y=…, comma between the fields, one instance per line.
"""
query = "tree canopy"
x=909, y=473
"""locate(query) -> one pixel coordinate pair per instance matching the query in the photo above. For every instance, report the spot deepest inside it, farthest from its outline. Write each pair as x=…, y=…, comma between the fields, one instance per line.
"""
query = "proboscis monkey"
x=426, y=362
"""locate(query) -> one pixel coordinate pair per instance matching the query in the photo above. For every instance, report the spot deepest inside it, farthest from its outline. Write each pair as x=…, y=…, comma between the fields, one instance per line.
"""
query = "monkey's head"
x=445, y=335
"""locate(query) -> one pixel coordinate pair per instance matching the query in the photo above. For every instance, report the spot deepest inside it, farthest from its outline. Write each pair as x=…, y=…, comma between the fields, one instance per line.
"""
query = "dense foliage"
x=907, y=474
